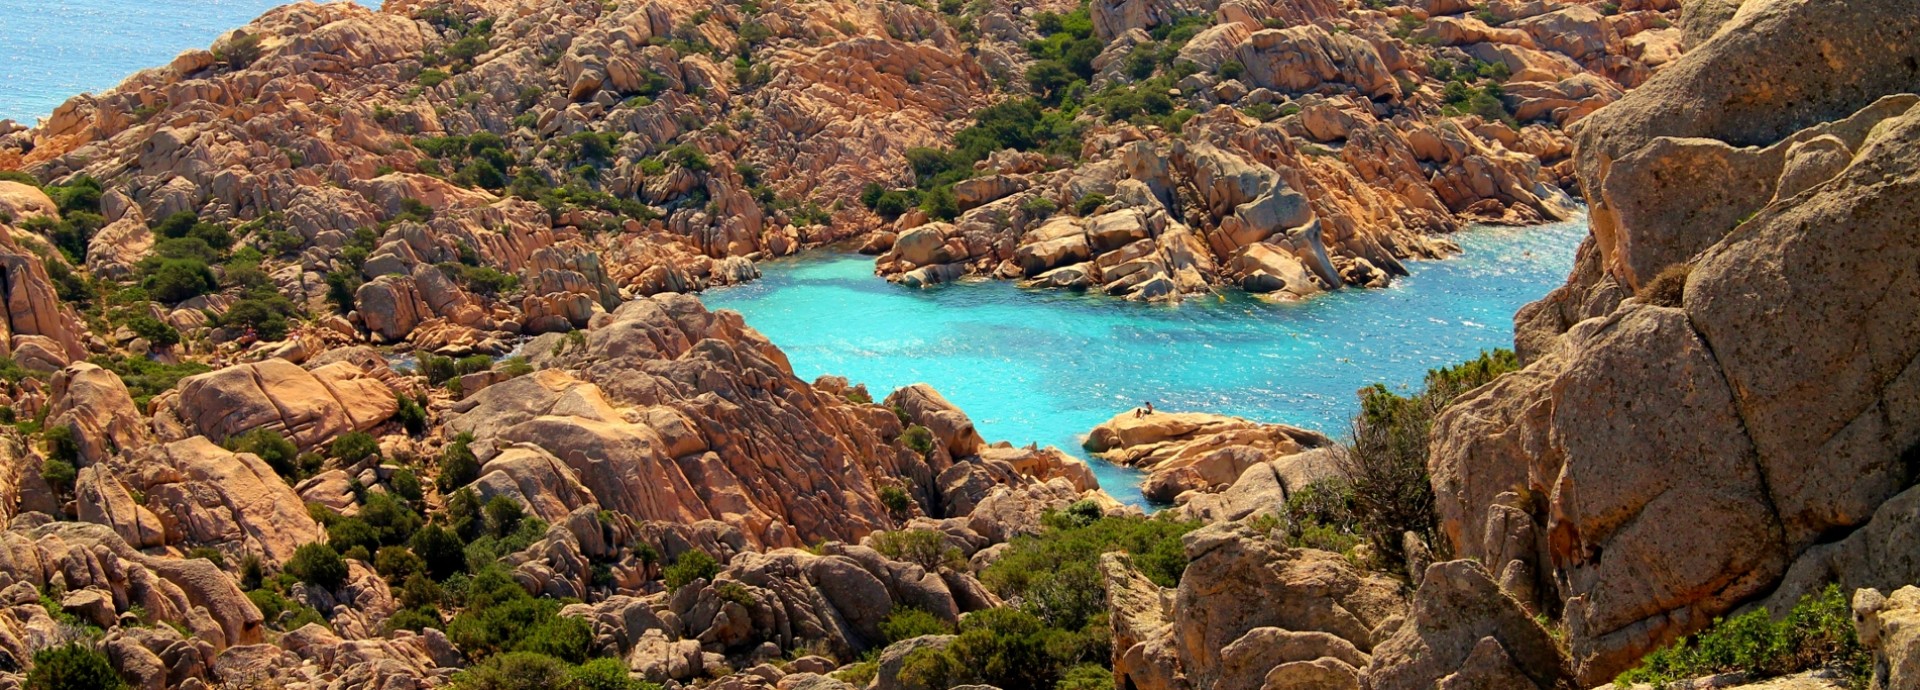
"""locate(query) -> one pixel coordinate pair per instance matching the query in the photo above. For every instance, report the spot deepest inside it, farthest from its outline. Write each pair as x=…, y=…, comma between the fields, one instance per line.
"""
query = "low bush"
x=281, y=613
x=896, y=500
x=907, y=622
x=318, y=564
x=273, y=448
x=499, y=617
x=458, y=465
x=1007, y=648
x=72, y=666
x=1817, y=633
x=690, y=566
x=1385, y=462
x=1055, y=573
x=923, y=547
x=353, y=446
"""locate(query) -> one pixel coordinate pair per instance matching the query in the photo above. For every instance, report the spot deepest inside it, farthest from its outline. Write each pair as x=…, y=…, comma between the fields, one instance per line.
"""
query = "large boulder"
x=308, y=407
x=1463, y=631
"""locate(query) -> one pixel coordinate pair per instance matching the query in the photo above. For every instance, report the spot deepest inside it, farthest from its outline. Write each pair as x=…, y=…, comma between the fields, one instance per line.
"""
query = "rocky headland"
x=358, y=350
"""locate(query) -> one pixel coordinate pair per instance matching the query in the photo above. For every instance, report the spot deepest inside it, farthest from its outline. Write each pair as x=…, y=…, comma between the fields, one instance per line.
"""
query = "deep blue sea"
x=1047, y=366
x=53, y=49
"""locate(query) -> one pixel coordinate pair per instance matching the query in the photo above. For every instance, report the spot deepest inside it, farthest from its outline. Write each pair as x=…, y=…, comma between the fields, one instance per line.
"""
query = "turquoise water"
x=1047, y=366
x=58, y=48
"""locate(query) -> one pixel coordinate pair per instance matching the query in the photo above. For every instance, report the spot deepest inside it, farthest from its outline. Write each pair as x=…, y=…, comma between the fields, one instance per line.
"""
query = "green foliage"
x=159, y=334
x=499, y=617
x=441, y=551
x=382, y=521
x=1086, y=677
x=146, y=378
x=1386, y=460
x=907, y=622
x=411, y=415
x=1816, y=633
x=72, y=666
x=59, y=474
x=690, y=157
x=406, y=485
x=690, y=566
x=919, y=439
x=318, y=564
x=1055, y=573
x=1039, y=207
x=503, y=515
x=515, y=671
x=1089, y=203
x=281, y=613
x=1007, y=648
x=1320, y=516
x=896, y=499
x=923, y=547
x=481, y=279
x=353, y=446
x=396, y=563
x=607, y=674
x=80, y=193
x=61, y=445
x=239, y=52
x=175, y=280
x=273, y=448
x=262, y=312
x=458, y=465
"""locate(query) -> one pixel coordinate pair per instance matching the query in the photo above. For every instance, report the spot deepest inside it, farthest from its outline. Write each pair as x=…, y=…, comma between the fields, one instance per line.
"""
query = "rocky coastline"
x=359, y=350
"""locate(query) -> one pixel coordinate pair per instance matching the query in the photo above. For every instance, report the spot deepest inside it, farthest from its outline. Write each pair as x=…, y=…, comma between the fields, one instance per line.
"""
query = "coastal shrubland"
x=1816, y=633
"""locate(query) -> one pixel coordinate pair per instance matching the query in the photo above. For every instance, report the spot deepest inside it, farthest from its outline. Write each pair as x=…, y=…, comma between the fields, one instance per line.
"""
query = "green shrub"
x=1089, y=203
x=499, y=617
x=907, y=622
x=274, y=449
x=1320, y=516
x=923, y=547
x=61, y=445
x=1007, y=648
x=411, y=415
x=396, y=563
x=159, y=334
x=607, y=674
x=441, y=551
x=406, y=484
x=1669, y=287
x=239, y=52
x=433, y=77
x=919, y=439
x=146, y=378
x=458, y=465
x=1086, y=677
x=1817, y=633
x=1039, y=207
x=515, y=671
x=318, y=564
x=262, y=312
x=281, y=613
x=353, y=446
x=503, y=515
x=1386, y=459
x=896, y=500
x=690, y=566
x=176, y=280
x=59, y=474
x=72, y=666
x=436, y=368
x=1055, y=573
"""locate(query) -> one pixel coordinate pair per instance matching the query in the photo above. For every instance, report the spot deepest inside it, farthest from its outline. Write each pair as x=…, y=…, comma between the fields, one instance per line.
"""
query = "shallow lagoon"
x=1046, y=366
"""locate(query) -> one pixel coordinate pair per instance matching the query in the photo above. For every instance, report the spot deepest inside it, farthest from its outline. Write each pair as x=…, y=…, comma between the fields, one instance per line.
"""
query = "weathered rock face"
x=308, y=407
x=1318, y=617
x=1636, y=422
x=659, y=417
x=1463, y=631
x=1187, y=451
x=80, y=556
x=32, y=308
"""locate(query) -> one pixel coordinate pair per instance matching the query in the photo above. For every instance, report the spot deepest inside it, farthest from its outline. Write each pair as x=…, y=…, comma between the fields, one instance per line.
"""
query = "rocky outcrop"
x=659, y=416
x=308, y=407
x=1320, y=617
x=1463, y=631
x=1193, y=451
x=33, y=310
x=1569, y=476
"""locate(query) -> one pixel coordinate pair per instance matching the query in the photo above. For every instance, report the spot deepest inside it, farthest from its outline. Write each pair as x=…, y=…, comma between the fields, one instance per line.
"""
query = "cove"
x=1046, y=366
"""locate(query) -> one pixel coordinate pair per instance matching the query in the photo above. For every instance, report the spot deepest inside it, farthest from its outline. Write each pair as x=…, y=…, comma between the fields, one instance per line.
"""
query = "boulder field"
x=362, y=349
